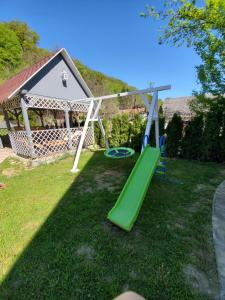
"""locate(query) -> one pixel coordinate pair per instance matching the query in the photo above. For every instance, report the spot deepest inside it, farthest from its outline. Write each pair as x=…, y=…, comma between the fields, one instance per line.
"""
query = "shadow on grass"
x=69, y=256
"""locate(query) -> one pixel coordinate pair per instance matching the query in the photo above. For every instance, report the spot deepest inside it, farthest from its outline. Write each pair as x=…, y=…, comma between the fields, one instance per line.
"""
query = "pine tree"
x=136, y=132
x=174, y=134
x=212, y=135
x=124, y=130
x=192, y=145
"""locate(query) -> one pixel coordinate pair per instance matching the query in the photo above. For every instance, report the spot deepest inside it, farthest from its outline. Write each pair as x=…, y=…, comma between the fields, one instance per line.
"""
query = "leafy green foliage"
x=213, y=136
x=192, y=143
x=10, y=49
x=99, y=140
x=18, y=48
x=120, y=133
x=202, y=26
x=137, y=132
x=174, y=135
x=28, y=39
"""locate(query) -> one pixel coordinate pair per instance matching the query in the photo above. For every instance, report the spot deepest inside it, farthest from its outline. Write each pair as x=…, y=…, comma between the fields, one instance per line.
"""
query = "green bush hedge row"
x=203, y=138
x=126, y=131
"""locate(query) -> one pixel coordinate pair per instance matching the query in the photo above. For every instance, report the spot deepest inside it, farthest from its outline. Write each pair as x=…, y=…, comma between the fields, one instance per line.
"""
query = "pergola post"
x=27, y=126
x=6, y=117
x=67, y=119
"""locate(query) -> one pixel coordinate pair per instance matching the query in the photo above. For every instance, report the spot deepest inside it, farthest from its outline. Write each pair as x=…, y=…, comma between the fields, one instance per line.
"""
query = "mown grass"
x=56, y=242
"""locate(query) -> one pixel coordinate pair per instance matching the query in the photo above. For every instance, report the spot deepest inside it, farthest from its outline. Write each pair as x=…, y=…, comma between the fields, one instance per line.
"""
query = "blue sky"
x=111, y=37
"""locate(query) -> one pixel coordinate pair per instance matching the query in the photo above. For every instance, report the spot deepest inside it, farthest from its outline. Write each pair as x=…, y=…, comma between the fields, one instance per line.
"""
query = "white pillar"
x=68, y=128
x=78, y=152
x=27, y=127
x=156, y=117
x=103, y=132
x=150, y=117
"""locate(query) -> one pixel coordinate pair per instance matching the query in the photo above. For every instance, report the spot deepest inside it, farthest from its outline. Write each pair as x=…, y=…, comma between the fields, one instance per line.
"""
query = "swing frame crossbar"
x=93, y=115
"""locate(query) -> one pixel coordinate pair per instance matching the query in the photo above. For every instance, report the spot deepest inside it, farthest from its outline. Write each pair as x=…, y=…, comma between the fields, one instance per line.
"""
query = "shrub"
x=191, y=145
x=174, y=135
x=212, y=136
x=137, y=132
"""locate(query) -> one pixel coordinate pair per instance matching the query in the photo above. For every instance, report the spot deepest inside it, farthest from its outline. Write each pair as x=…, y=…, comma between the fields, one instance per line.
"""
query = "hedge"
x=202, y=138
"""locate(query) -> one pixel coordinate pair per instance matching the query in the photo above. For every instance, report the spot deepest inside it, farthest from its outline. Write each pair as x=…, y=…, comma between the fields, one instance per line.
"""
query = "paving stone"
x=4, y=153
x=218, y=221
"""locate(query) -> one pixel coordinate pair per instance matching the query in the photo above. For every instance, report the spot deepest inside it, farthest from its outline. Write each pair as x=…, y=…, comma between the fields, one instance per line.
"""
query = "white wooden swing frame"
x=93, y=116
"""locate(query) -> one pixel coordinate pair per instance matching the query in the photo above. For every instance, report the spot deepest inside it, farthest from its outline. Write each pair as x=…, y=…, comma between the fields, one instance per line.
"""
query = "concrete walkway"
x=4, y=153
x=218, y=221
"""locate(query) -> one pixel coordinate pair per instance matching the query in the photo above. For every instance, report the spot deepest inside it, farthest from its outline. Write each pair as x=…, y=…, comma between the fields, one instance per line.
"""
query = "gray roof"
x=178, y=105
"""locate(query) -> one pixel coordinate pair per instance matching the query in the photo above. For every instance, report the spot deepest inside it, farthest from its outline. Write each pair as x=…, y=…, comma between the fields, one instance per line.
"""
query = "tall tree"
x=201, y=25
x=27, y=37
x=192, y=143
x=174, y=132
x=10, y=49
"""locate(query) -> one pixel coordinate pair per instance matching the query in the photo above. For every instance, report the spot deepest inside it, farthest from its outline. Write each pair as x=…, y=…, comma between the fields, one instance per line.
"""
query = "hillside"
x=19, y=49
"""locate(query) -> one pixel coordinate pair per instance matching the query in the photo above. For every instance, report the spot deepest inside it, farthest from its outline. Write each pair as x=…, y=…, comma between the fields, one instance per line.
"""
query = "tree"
x=201, y=26
x=28, y=39
x=192, y=143
x=136, y=132
x=174, y=132
x=212, y=135
x=124, y=130
x=10, y=49
x=115, y=132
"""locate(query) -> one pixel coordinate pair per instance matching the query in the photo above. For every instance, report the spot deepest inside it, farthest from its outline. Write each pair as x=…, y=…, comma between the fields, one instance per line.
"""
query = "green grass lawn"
x=56, y=242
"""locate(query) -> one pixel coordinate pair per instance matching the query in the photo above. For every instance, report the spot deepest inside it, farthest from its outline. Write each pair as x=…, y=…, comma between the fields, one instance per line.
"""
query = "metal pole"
x=27, y=127
x=68, y=128
x=103, y=132
x=156, y=117
x=77, y=157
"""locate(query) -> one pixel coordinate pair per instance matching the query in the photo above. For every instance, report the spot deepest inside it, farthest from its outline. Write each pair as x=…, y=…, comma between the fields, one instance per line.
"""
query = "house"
x=51, y=85
x=179, y=105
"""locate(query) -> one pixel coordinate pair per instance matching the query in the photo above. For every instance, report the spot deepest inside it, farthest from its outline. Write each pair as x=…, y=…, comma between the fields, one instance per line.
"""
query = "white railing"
x=47, y=142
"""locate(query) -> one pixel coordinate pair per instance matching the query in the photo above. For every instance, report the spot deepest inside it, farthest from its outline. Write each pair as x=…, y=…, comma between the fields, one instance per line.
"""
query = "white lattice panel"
x=75, y=137
x=12, y=103
x=20, y=144
x=89, y=139
x=50, y=141
x=45, y=102
x=80, y=107
x=47, y=142
x=55, y=103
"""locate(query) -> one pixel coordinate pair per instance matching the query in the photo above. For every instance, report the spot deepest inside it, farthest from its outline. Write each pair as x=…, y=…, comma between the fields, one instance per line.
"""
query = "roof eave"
x=71, y=65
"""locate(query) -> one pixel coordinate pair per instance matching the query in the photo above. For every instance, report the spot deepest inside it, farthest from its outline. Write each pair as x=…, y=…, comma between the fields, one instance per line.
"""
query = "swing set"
x=126, y=209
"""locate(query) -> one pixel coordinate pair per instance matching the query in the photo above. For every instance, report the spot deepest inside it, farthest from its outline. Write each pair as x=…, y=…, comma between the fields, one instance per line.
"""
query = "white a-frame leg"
x=77, y=157
x=152, y=115
x=95, y=117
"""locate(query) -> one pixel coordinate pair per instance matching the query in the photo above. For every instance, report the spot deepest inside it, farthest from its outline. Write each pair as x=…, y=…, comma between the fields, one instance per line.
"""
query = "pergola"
x=52, y=85
x=38, y=143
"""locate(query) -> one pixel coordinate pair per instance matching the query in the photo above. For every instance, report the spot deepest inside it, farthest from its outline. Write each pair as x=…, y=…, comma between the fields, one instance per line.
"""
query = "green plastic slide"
x=125, y=211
